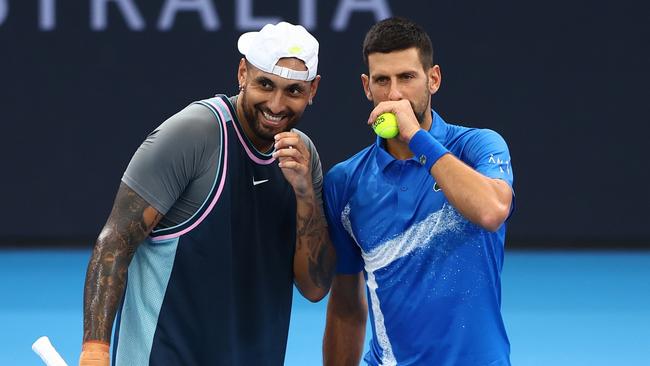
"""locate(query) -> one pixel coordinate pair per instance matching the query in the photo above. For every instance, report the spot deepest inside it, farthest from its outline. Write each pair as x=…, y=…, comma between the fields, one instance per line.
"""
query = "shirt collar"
x=438, y=130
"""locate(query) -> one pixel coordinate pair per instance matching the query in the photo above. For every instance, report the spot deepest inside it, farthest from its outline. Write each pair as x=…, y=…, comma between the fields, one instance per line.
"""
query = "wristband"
x=95, y=346
x=95, y=353
x=426, y=148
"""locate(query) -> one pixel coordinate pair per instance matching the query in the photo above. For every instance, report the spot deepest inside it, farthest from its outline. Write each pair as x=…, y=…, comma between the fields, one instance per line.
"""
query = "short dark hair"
x=396, y=34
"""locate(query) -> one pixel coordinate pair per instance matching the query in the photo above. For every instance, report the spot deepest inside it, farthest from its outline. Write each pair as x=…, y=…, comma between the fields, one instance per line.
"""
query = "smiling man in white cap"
x=218, y=214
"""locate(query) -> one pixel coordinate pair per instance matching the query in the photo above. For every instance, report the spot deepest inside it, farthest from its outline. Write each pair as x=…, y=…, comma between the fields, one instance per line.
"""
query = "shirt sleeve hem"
x=146, y=195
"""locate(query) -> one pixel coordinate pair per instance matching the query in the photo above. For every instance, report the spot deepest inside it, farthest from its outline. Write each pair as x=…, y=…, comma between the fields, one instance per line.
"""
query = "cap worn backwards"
x=265, y=48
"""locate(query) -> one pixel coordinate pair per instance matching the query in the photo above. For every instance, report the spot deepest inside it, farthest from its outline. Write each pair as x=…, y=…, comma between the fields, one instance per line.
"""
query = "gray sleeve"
x=175, y=154
x=316, y=168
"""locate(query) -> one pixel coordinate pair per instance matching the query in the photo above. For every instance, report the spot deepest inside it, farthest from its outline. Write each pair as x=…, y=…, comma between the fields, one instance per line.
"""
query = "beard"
x=419, y=110
x=262, y=132
x=420, y=106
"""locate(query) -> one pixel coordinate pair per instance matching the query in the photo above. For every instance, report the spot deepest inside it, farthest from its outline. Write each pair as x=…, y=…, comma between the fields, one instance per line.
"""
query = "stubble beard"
x=262, y=133
x=419, y=112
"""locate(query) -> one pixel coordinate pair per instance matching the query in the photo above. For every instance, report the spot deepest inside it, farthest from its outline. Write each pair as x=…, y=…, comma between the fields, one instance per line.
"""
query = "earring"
x=311, y=101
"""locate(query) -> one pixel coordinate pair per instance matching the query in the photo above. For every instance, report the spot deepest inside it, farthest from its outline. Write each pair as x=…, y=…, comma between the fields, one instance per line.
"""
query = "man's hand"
x=407, y=123
x=294, y=160
x=94, y=354
x=314, y=259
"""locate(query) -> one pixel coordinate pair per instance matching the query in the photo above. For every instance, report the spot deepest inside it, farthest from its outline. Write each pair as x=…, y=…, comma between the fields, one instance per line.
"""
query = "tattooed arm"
x=131, y=220
x=315, y=257
x=314, y=260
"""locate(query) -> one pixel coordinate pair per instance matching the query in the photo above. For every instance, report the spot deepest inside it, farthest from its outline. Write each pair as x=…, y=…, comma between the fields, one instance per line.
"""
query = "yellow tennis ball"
x=386, y=125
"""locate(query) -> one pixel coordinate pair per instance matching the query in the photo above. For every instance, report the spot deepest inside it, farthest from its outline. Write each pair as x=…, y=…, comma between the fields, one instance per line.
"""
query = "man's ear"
x=435, y=79
x=365, y=81
x=313, y=88
x=241, y=73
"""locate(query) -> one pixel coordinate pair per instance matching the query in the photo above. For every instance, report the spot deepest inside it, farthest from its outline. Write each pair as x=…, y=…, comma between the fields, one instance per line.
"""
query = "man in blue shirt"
x=420, y=219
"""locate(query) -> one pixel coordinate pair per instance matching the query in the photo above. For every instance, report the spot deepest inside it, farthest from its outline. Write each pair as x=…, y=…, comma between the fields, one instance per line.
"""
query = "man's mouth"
x=273, y=118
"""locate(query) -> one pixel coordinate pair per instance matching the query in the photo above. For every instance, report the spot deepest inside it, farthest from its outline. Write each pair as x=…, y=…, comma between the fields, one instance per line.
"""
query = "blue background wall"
x=566, y=83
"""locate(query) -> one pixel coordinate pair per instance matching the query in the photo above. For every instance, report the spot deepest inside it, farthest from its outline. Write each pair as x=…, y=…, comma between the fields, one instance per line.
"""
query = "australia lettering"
x=206, y=11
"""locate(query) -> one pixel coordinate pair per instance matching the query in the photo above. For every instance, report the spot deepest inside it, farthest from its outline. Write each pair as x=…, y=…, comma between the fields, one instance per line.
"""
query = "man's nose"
x=276, y=103
x=394, y=93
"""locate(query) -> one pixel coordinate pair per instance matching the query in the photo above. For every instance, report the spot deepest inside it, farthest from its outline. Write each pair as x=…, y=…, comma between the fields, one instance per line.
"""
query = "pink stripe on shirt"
x=221, y=184
x=248, y=151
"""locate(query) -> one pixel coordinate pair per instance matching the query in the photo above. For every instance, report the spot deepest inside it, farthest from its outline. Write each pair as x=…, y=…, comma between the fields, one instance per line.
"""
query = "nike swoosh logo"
x=256, y=182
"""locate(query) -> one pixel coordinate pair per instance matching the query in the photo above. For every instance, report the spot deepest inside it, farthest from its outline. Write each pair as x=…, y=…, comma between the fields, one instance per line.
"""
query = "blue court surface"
x=560, y=308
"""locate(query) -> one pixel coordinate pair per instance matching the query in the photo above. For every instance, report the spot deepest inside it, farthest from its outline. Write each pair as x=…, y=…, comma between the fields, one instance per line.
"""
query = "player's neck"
x=398, y=149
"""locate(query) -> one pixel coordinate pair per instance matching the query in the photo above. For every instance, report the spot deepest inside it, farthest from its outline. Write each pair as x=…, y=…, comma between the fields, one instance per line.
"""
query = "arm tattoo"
x=130, y=221
x=312, y=232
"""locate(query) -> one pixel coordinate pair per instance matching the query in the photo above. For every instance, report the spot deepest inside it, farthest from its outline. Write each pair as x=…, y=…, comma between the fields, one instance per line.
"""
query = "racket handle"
x=43, y=347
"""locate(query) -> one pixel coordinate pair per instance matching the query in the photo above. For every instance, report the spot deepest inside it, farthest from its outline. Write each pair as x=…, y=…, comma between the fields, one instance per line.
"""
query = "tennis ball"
x=386, y=125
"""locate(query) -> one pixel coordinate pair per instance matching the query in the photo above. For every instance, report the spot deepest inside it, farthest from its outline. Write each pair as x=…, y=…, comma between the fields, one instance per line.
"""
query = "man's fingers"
x=291, y=152
x=286, y=140
x=292, y=164
x=383, y=107
x=288, y=152
x=282, y=135
x=397, y=107
x=284, y=143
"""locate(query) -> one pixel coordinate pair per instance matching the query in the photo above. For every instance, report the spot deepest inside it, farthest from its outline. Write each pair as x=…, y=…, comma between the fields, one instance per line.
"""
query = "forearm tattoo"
x=130, y=221
x=312, y=233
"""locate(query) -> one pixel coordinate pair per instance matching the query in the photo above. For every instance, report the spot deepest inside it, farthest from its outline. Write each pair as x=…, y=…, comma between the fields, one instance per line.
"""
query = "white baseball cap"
x=263, y=49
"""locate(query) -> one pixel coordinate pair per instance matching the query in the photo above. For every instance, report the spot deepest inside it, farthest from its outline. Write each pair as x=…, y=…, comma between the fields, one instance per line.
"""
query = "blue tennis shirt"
x=433, y=277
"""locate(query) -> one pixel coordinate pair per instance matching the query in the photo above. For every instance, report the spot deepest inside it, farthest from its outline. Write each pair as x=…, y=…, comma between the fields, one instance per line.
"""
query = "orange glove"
x=94, y=353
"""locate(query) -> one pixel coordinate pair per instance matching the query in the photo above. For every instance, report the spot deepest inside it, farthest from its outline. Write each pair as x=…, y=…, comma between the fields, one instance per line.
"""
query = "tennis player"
x=421, y=217
x=218, y=214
